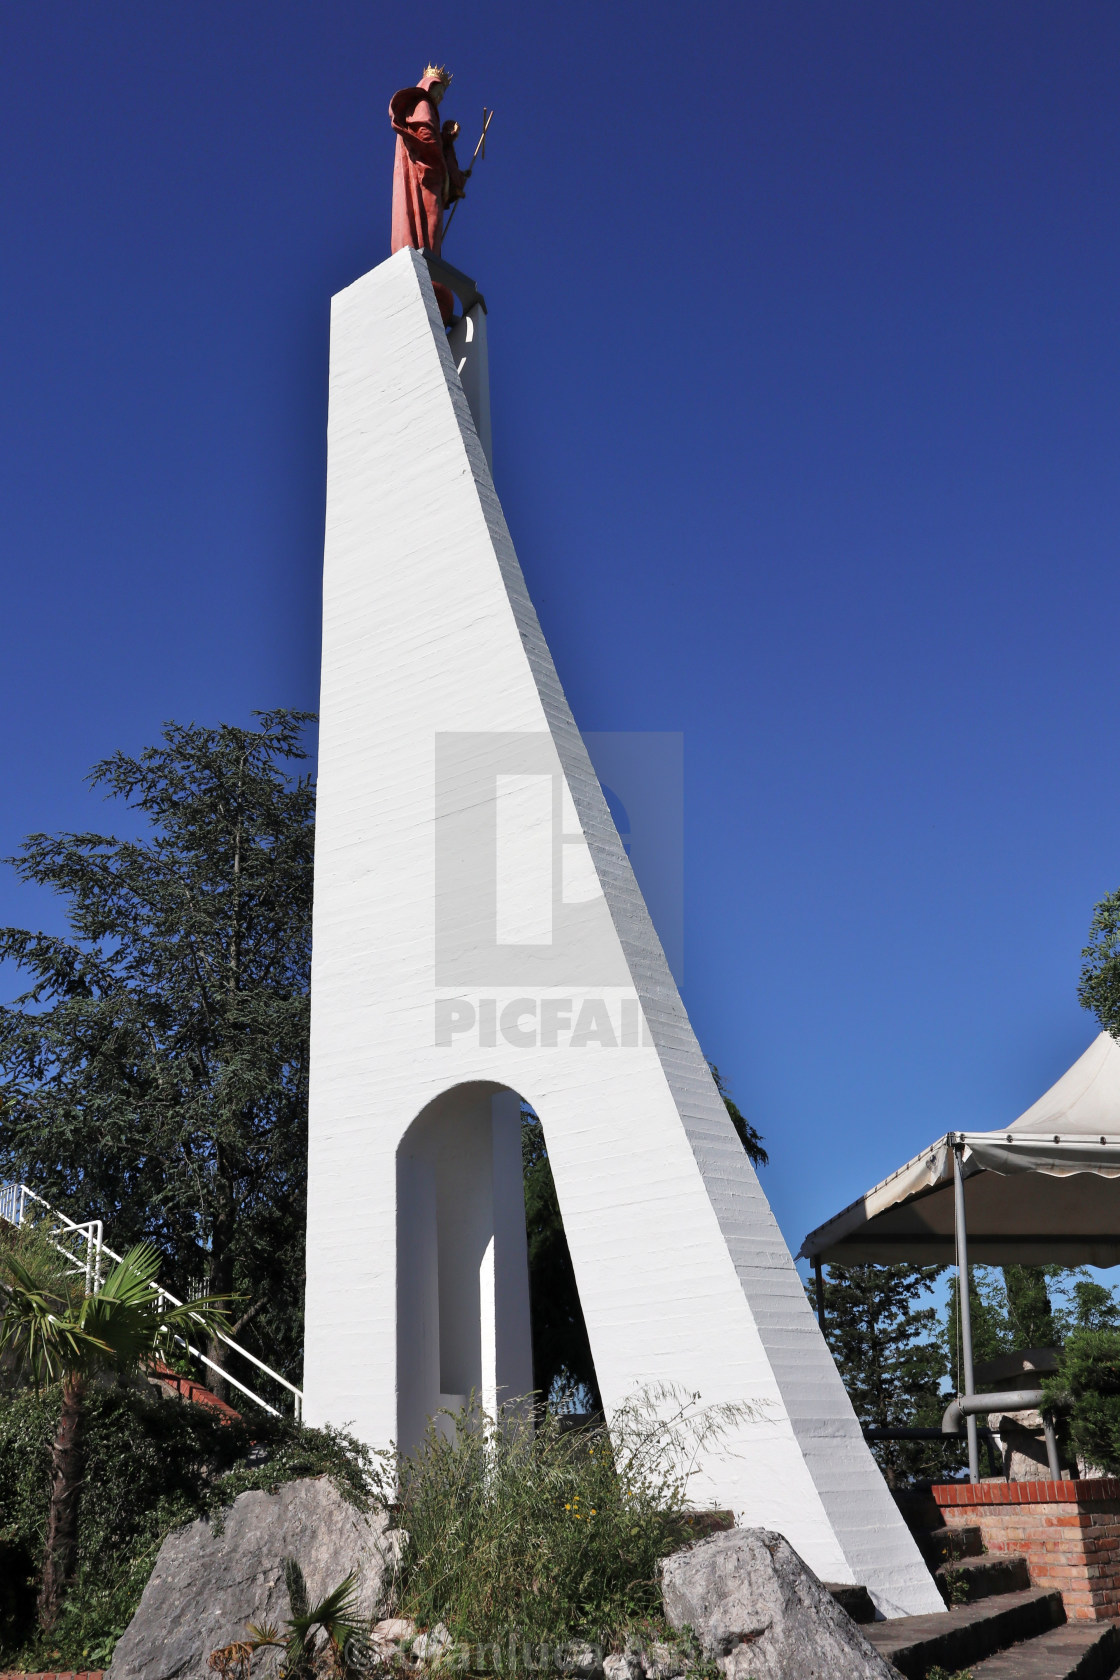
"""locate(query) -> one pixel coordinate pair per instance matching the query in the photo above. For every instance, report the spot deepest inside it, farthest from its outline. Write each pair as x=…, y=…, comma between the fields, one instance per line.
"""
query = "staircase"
x=83, y=1246
x=997, y=1626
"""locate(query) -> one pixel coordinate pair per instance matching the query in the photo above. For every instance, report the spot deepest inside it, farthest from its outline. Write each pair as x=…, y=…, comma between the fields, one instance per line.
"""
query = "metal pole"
x=1051, y=1447
x=964, y=1306
x=820, y=1293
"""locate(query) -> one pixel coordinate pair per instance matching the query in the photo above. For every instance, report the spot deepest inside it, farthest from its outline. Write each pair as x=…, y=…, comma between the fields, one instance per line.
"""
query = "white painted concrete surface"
x=462, y=1276
x=436, y=681
x=469, y=352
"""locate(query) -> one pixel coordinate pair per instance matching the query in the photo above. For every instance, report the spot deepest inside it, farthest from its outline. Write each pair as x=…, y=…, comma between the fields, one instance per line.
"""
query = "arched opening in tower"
x=487, y=1302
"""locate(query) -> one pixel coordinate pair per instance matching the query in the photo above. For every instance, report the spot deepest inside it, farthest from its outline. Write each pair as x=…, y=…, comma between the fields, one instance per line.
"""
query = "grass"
x=522, y=1538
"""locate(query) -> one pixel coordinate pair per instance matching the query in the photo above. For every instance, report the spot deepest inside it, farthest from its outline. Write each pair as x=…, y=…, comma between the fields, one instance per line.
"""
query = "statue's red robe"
x=426, y=176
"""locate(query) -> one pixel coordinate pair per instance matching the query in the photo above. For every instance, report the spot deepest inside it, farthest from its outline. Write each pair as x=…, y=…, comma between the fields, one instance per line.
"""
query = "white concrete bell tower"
x=480, y=938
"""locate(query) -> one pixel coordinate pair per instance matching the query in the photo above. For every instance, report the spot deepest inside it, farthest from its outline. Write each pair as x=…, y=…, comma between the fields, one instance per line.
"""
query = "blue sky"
x=803, y=325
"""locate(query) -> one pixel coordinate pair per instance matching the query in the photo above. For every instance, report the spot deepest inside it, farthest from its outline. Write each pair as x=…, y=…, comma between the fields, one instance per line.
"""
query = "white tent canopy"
x=1037, y=1192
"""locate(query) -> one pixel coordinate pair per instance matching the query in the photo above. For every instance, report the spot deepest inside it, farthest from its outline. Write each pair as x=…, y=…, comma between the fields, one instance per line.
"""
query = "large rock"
x=213, y=1577
x=759, y=1612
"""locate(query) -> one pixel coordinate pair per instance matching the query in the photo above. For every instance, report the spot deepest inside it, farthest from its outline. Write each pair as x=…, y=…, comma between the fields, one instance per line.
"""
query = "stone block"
x=213, y=1577
x=761, y=1614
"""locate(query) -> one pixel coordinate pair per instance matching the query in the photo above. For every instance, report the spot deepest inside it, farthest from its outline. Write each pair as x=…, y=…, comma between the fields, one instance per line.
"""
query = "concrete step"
x=942, y=1545
x=857, y=1601
x=1077, y=1651
x=967, y=1579
x=967, y=1634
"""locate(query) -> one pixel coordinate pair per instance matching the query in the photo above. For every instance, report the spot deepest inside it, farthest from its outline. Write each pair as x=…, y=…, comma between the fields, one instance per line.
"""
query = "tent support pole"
x=964, y=1307
x=819, y=1275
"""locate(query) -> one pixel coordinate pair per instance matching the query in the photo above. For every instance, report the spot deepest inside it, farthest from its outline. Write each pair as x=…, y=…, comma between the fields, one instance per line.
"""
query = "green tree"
x=1029, y=1310
x=750, y=1139
x=992, y=1331
x=155, y=1073
x=1094, y=1306
x=1086, y=1388
x=54, y=1332
x=1020, y=1307
x=561, y=1349
x=890, y=1353
x=1087, y=1382
x=1099, y=986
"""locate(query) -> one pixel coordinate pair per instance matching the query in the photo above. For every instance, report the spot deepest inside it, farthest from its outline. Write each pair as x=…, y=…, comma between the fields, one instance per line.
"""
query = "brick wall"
x=1069, y=1533
x=59, y=1674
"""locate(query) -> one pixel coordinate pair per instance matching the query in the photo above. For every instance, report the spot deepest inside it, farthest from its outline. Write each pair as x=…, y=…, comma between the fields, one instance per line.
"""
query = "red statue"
x=426, y=173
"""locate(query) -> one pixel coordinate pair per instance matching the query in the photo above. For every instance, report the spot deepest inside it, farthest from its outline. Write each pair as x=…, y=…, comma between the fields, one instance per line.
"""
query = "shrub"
x=151, y=1464
x=1087, y=1382
x=521, y=1537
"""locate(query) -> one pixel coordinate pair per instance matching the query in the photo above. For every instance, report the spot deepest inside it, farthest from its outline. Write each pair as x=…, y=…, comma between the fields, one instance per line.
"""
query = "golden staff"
x=479, y=152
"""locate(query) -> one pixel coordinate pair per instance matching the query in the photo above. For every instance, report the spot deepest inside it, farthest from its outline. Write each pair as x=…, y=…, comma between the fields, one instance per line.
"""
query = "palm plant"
x=336, y=1617
x=54, y=1332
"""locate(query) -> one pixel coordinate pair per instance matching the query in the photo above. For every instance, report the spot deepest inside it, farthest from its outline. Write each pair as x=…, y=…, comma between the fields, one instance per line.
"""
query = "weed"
x=522, y=1539
x=954, y=1585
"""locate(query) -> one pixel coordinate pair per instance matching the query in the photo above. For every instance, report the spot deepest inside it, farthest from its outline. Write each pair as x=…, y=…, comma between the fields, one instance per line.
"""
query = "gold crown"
x=440, y=71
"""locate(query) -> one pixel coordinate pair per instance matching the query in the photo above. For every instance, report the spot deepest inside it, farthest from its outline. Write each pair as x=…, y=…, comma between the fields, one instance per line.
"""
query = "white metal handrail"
x=13, y=1209
x=13, y=1205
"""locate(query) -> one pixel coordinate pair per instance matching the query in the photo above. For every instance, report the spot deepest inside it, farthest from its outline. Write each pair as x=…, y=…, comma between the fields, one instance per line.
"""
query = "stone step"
x=942, y=1545
x=1077, y=1651
x=970, y=1578
x=857, y=1601
x=966, y=1634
